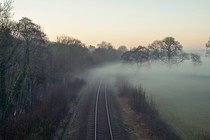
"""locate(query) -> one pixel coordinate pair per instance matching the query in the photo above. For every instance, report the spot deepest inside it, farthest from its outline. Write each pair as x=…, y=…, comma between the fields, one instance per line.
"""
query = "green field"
x=182, y=95
x=185, y=107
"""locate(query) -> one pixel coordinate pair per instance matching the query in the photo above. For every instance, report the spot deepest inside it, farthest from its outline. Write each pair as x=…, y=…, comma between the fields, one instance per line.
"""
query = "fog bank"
x=181, y=92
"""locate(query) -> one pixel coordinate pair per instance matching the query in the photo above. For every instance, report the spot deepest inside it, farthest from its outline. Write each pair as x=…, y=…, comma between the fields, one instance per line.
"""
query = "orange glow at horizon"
x=121, y=22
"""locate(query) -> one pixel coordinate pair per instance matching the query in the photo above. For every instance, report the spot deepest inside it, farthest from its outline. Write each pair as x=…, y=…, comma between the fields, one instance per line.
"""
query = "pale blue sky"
x=121, y=22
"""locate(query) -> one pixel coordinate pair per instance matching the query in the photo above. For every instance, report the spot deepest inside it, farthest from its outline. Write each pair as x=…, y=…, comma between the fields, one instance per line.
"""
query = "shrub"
x=41, y=121
x=144, y=107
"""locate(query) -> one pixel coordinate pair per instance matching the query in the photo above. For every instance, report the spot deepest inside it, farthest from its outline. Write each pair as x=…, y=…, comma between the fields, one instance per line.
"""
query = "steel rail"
x=107, y=113
x=96, y=111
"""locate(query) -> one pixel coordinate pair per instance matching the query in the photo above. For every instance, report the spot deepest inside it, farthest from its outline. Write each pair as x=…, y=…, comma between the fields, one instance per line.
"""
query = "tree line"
x=30, y=64
x=167, y=50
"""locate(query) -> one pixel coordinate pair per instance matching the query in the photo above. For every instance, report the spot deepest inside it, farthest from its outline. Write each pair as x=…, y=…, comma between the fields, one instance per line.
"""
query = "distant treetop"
x=167, y=50
x=208, y=44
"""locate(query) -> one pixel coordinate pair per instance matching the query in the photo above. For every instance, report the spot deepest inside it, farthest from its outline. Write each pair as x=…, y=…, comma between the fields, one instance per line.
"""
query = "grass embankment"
x=43, y=120
x=141, y=115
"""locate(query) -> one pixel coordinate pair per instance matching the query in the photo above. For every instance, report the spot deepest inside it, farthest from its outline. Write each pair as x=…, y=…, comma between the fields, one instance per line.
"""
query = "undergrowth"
x=145, y=108
x=42, y=120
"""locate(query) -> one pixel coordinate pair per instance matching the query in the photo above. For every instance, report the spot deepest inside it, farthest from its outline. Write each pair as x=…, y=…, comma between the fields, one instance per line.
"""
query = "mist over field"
x=181, y=92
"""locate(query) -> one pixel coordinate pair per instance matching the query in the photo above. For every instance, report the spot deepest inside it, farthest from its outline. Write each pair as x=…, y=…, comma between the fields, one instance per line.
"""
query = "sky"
x=121, y=22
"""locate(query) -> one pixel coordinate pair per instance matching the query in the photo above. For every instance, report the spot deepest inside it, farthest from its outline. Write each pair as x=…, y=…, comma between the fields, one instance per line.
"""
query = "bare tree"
x=32, y=35
x=123, y=48
x=196, y=59
x=155, y=50
x=69, y=41
x=208, y=44
x=170, y=48
x=6, y=48
x=208, y=48
x=6, y=55
x=105, y=45
x=5, y=13
x=139, y=55
x=105, y=53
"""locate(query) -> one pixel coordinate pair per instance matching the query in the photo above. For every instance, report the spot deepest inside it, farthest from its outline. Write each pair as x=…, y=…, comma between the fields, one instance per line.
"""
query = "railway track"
x=102, y=123
x=97, y=116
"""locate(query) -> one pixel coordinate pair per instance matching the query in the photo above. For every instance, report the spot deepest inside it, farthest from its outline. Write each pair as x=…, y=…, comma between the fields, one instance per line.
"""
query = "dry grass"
x=138, y=130
x=142, y=114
